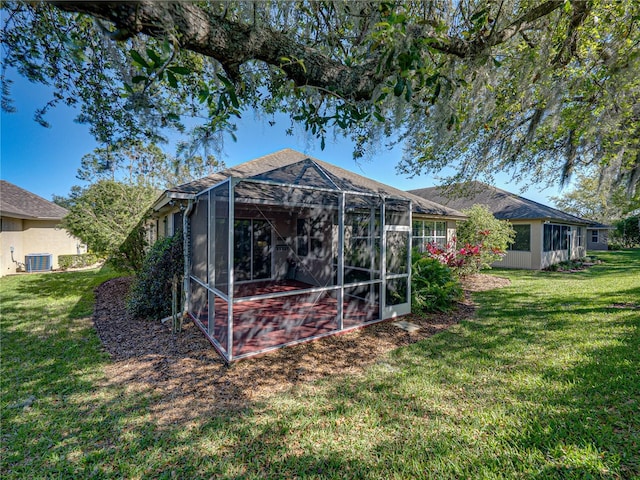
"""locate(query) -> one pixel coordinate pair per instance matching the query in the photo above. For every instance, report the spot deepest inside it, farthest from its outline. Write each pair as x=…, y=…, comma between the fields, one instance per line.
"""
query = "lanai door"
x=397, y=241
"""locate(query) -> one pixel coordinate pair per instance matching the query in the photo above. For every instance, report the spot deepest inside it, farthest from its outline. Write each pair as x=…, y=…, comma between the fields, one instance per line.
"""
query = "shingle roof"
x=19, y=203
x=600, y=226
x=504, y=205
x=287, y=166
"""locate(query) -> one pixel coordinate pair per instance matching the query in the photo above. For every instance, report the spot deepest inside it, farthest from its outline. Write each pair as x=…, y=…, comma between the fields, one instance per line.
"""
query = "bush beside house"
x=150, y=295
x=434, y=286
x=66, y=262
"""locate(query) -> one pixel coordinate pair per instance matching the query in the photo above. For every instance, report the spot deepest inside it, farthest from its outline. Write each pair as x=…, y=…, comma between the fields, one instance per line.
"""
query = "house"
x=544, y=235
x=30, y=236
x=287, y=248
x=598, y=236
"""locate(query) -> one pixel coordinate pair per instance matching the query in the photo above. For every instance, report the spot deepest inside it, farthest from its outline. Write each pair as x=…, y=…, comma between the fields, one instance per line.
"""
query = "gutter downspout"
x=185, y=247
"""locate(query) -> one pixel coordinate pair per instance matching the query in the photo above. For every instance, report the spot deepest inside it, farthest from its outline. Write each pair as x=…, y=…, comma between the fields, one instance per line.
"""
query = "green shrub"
x=77, y=261
x=627, y=232
x=434, y=286
x=130, y=254
x=150, y=294
x=484, y=239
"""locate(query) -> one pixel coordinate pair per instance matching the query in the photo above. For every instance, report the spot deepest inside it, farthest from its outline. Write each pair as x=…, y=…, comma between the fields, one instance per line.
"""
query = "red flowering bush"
x=477, y=246
x=466, y=260
x=463, y=261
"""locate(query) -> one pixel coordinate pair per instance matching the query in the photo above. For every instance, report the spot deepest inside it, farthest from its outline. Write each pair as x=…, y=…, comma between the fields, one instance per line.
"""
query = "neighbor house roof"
x=504, y=205
x=295, y=168
x=17, y=202
x=600, y=226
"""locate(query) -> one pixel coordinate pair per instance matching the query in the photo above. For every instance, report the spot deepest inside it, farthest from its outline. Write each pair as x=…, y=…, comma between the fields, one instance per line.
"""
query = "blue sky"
x=45, y=160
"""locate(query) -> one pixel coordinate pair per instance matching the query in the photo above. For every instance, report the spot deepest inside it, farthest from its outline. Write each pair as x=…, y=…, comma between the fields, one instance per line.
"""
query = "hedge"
x=77, y=261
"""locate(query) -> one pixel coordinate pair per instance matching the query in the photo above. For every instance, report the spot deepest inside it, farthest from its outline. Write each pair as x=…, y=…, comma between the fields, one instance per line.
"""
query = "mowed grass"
x=544, y=383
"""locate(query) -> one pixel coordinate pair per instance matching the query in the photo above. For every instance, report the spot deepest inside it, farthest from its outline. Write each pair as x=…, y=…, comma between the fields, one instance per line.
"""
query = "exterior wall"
x=603, y=239
x=557, y=256
x=45, y=237
x=10, y=236
x=34, y=236
x=537, y=258
x=514, y=259
x=164, y=226
x=578, y=251
x=537, y=238
x=451, y=230
x=526, y=260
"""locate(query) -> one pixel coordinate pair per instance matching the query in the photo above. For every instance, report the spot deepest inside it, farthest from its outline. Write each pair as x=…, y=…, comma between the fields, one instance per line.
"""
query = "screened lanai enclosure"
x=294, y=254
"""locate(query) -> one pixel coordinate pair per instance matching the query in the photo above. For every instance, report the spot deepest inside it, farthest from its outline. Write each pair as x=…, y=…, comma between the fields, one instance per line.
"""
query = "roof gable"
x=305, y=172
x=292, y=167
x=504, y=205
x=19, y=203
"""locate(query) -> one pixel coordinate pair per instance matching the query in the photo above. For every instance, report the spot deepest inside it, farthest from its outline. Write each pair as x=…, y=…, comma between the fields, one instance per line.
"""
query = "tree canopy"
x=539, y=89
x=627, y=232
x=106, y=216
x=588, y=198
x=146, y=165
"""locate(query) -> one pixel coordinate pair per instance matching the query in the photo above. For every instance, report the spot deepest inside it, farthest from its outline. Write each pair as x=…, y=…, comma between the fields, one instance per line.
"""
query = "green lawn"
x=544, y=383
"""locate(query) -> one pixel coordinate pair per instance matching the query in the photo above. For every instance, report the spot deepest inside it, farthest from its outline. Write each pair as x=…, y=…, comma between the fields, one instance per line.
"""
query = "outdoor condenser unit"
x=38, y=262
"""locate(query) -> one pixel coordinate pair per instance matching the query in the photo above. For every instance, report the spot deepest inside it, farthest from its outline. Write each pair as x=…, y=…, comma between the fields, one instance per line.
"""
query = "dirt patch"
x=481, y=282
x=191, y=379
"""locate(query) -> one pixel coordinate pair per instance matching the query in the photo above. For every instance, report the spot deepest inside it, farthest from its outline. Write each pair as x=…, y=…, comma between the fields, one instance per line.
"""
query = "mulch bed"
x=191, y=379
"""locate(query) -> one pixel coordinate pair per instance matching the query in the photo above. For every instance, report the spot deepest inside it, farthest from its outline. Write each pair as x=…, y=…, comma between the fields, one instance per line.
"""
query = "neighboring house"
x=30, y=236
x=286, y=248
x=598, y=236
x=544, y=235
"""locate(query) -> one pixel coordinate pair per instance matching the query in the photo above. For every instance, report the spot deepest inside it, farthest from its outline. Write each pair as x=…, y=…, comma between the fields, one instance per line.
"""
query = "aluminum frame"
x=227, y=352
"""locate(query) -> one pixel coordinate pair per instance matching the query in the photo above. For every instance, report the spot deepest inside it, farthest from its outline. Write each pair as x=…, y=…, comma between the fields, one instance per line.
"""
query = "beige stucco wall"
x=521, y=259
x=33, y=236
x=536, y=258
x=11, y=236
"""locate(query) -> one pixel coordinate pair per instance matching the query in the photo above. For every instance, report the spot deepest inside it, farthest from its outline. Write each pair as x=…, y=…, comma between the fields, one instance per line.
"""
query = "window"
x=594, y=236
x=177, y=222
x=310, y=236
x=252, y=252
x=428, y=231
x=522, y=241
x=580, y=234
x=555, y=237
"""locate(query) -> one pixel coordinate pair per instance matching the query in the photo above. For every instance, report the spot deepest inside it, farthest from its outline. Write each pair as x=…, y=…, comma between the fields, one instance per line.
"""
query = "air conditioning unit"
x=38, y=262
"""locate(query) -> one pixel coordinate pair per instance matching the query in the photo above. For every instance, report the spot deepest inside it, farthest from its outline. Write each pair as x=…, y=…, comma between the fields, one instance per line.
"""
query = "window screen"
x=522, y=241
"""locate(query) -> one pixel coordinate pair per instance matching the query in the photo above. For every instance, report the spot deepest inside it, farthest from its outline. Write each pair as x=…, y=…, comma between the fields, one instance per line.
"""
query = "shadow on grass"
x=593, y=427
x=413, y=417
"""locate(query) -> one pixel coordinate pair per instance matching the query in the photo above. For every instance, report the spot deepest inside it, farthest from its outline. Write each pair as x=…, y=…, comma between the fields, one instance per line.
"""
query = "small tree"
x=484, y=234
x=481, y=240
x=150, y=294
x=106, y=216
